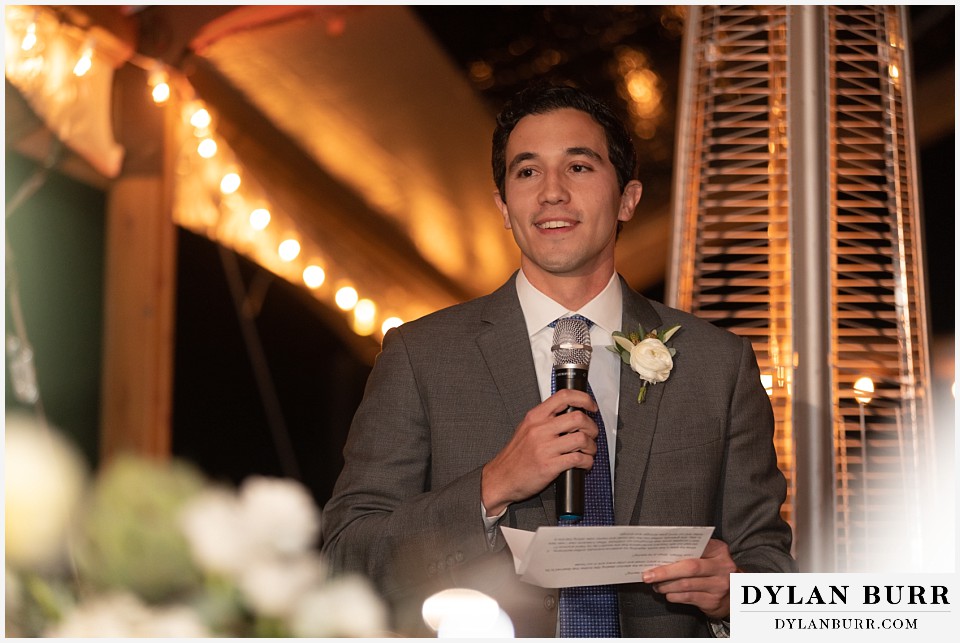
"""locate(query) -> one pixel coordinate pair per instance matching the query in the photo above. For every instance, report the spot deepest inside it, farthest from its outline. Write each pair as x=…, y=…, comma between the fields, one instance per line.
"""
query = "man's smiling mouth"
x=550, y=225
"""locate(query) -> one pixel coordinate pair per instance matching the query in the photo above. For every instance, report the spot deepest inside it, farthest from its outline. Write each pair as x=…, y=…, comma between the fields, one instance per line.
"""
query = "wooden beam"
x=139, y=285
x=138, y=319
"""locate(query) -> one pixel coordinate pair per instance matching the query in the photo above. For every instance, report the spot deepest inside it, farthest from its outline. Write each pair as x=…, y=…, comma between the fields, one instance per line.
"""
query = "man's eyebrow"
x=571, y=151
x=520, y=158
x=584, y=151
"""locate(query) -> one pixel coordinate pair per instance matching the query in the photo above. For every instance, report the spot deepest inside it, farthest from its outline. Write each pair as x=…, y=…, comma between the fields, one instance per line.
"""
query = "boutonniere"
x=647, y=354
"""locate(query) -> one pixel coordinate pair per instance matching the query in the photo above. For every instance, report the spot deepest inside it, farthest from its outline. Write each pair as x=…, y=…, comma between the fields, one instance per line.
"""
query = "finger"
x=559, y=401
x=716, y=561
x=575, y=460
x=552, y=406
x=576, y=441
x=711, y=584
x=692, y=597
x=575, y=421
x=680, y=569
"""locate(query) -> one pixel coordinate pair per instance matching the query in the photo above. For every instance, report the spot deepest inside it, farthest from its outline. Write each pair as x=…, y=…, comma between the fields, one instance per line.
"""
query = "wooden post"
x=139, y=285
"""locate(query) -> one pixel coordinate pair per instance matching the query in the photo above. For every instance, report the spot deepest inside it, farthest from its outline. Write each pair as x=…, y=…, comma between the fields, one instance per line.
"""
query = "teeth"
x=553, y=224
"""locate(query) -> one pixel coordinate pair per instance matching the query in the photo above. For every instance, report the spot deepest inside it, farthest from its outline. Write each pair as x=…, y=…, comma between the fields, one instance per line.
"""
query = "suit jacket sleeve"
x=386, y=518
x=754, y=487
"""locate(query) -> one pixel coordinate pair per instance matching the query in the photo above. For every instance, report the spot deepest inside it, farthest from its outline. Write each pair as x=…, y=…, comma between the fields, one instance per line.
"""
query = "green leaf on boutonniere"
x=622, y=342
x=665, y=335
x=643, y=394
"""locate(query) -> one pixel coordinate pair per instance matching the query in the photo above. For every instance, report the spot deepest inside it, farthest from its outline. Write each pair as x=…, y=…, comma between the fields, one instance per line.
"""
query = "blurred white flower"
x=343, y=607
x=214, y=527
x=44, y=481
x=270, y=517
x=279, y=514
x=272, y=586
x=122, y=615
x=106, y=616
x=176, y=622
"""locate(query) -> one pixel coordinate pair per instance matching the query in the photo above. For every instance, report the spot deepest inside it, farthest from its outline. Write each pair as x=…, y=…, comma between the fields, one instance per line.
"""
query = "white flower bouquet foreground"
x=154, y=550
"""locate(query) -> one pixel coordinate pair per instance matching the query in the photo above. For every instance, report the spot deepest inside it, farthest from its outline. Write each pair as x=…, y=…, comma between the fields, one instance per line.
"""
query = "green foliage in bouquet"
x=129, y=535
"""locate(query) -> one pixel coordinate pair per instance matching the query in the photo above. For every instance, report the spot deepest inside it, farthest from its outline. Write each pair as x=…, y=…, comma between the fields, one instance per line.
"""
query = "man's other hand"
x=704, y=581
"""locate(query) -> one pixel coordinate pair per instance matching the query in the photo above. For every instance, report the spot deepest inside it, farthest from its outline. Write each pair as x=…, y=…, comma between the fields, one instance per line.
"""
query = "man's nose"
x=553, y=189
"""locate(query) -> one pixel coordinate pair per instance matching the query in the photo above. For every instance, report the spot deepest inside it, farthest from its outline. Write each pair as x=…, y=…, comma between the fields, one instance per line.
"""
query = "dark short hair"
x=543, y=98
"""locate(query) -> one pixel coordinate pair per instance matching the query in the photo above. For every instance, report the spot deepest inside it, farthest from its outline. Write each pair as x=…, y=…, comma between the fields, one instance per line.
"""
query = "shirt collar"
x=605, y=310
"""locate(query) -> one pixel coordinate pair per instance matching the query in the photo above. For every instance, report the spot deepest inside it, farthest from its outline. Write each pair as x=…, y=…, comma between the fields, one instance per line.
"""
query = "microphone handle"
x=570, y=483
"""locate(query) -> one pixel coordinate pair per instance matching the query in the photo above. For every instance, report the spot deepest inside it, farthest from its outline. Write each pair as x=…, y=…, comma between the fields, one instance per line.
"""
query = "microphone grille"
x=571, y=342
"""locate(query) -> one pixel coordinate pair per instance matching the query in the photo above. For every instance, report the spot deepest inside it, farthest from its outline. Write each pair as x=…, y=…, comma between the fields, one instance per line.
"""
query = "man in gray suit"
x=458, y=433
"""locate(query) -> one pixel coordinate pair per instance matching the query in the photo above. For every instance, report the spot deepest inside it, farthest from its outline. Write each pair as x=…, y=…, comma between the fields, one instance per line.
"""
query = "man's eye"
x=579, y=167
x=525, y=173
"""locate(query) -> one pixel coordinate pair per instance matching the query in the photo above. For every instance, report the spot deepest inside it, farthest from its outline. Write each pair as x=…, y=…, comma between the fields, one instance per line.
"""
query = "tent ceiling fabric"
x=378, y=105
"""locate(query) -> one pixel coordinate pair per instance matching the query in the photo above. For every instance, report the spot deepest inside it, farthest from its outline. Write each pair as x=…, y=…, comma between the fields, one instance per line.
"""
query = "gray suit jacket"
x=445, y=396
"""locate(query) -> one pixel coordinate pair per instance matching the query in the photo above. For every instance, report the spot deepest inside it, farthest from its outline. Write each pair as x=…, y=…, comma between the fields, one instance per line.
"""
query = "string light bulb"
x=390, y=322
x=364, y=317
x=84, y=63
x=201, y=118
x=207, y=148
x=346, y=298
x=314, y=276
x=160, y=91
x=30, y=38
x=230, y=183
x=289, y=249
x=365, y=311
x=260, y=219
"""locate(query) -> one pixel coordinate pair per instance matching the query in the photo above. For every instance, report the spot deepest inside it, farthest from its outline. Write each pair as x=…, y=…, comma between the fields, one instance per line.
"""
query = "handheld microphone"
x=571, y=360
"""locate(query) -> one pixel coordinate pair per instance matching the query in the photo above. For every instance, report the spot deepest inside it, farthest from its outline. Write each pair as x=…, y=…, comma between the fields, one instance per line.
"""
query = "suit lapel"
x=505, y=347
x=636, y=423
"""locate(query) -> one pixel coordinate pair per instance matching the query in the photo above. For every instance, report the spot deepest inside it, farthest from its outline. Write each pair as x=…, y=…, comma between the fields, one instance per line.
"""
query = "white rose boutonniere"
x=647, y=354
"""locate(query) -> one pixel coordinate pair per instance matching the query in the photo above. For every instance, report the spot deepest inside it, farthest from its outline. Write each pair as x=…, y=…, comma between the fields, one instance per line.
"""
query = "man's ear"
x=629, y=200
x=503, y=209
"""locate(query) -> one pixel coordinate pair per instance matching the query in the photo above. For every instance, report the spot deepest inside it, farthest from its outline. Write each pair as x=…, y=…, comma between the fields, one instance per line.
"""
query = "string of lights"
x=50, y=60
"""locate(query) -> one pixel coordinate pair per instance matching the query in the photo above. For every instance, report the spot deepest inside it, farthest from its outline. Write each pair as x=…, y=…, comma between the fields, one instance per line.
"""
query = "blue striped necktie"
x=592, y=611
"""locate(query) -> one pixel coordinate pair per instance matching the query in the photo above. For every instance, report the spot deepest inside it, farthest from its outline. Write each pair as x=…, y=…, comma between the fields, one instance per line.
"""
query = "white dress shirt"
x=606, y=312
